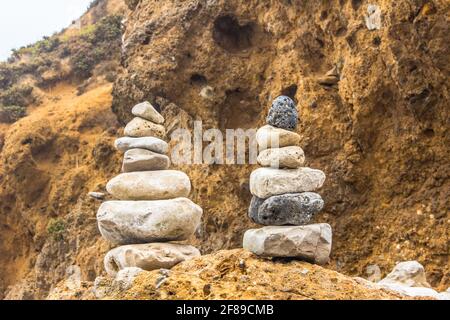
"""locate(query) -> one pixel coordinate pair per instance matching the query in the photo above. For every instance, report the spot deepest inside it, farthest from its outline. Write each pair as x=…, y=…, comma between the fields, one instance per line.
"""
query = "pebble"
x=127, y=222
x=149, y=143
x=373, y=17
x=311, y=243
x=148, y=257
x=144, y=160
x=150, y=185
x=97, y=195
x=267, y=182
x=286, y=157
x=139, y=127
x=147, y=111
x=267, y=136
x=283, y=113
x=286, y=209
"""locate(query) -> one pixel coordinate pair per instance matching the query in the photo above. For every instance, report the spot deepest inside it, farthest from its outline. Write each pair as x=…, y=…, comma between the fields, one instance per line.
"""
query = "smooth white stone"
x=144, y=160
x=150, y=185
x=267, y=182
x=407, y=273
x=127, y=222
x=149, y=143
x=271, y=137
x=286, y=157
x=147, y=111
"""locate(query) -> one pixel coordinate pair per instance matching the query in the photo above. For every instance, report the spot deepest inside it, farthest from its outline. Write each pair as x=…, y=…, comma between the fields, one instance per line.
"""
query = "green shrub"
x=17, y=95
x=47, y=45
x=83, y=62
x=11, y=114
x=7, y=76
x=56, y=228
x=96, y=44
x=108, y=29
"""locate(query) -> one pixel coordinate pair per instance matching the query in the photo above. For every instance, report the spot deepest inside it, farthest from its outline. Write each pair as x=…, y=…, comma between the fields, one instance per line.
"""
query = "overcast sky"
x=23, y=22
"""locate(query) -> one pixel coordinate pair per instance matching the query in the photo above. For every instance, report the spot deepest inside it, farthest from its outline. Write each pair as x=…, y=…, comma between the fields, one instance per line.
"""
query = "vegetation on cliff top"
x=58, y=57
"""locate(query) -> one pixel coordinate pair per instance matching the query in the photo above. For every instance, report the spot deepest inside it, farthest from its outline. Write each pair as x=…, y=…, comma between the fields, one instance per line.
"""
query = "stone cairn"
x=283, y=200
x=152, y=206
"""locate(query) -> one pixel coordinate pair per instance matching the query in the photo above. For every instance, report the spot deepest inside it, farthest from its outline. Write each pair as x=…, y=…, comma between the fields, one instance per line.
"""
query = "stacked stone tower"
x=152, y=208
x=283, y=200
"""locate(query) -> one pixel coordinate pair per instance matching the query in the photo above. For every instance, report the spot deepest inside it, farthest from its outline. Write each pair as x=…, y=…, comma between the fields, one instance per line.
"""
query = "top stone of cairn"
x=147, y=111
x=283, y=113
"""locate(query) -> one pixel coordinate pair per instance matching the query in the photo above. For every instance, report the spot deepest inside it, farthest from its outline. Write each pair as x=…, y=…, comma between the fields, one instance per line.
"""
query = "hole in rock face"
x=376, y=41
x=429, y=133
x=356, y=4
x=239, y=110
x=198, y=79
x=231, y=36
x=114, y=265
x=146, y=40
x=290, y=91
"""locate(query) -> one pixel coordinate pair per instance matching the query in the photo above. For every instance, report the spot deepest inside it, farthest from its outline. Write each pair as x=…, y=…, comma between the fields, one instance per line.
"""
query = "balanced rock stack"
x=283, y=200
x=152, y=206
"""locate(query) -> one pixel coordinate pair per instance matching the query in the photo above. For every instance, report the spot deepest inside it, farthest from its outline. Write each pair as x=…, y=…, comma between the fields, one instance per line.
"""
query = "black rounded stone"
x=286, y=209
x=283, y=114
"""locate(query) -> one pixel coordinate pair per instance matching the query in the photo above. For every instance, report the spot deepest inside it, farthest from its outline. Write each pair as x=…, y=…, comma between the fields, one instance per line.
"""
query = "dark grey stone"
x=286, y=209
x=283, y=113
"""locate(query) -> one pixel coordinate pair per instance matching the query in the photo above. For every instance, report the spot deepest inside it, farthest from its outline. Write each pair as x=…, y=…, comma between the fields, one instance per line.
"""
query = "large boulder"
x=126, y=222
x=149, y=143
x=292, y=208
x=144, y=160
x=286, y=157
x=150, y=185
x=311, y=243
x=148, y=256
x=271, y=137
x=407, y=273
x=267, y=182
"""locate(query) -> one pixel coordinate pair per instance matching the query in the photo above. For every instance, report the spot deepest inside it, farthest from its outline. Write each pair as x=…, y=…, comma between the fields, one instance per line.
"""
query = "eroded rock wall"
x=378, y=126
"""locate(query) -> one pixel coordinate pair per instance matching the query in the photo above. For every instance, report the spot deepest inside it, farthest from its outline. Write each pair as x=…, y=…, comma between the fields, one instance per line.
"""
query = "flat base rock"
x=415, y=291
x=286, y=157
x=127, y=222
x=283, y=113
x=150, y=185
x=148, y=257
x=286, y=209
x=144, y=160
x=139, y=127
x=271, y=137
x=149, y=143
x=147, y=111
x=311, y=243
x=267, y=182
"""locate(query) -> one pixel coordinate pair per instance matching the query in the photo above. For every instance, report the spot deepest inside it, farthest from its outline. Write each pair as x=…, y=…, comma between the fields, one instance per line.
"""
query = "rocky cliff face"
x=370, y=84
x=52, y=157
